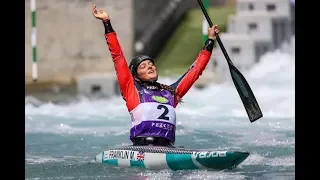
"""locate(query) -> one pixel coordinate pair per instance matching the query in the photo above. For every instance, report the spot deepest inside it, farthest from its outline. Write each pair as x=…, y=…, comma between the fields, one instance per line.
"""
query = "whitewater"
x=61, y=140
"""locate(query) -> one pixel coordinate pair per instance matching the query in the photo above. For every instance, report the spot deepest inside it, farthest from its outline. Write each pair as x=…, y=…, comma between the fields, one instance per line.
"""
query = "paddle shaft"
x=217, y=36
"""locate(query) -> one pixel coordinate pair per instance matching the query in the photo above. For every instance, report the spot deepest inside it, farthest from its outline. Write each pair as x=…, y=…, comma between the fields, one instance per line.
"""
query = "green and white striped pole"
x=205, y=25
x=34, y=40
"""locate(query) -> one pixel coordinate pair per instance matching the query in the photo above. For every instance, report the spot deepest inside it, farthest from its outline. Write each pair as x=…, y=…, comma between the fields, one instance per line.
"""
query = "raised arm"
x=124, y=76
x=187, y=80
x=183, y=84
x=125, y=79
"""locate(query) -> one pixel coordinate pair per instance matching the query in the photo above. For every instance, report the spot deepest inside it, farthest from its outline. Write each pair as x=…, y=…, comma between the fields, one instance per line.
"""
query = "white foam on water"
x=213, y=175
x=253, y=159
x=282, y=161
x=194, y=174
x=162, y=174
x=30, y=159
x=257, y=159
x=59, y=178
x=82, y=109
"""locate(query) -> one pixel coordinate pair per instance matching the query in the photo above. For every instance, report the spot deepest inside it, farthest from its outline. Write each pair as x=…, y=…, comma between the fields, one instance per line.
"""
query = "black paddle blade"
x=247, y=97
x=249, y=101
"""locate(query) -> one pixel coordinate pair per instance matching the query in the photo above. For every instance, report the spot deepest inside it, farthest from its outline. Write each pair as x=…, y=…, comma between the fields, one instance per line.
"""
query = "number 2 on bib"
x=165, y=112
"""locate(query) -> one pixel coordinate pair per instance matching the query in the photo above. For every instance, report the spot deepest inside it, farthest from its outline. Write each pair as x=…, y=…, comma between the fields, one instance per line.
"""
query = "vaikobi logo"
x=206, y=154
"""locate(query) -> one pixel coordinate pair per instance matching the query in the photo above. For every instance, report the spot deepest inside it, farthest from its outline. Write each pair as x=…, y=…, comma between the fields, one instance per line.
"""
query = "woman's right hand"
x=101, y=14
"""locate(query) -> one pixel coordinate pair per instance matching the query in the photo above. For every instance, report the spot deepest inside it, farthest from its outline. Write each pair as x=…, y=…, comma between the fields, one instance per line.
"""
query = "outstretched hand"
x=213, y=31
x=101, y=14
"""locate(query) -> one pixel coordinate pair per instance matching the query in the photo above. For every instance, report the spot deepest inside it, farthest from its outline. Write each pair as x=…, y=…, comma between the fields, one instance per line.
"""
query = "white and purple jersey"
x=155, y=115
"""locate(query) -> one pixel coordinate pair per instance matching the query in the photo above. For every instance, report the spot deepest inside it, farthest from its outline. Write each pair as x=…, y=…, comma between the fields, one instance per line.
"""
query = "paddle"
x=247, y=97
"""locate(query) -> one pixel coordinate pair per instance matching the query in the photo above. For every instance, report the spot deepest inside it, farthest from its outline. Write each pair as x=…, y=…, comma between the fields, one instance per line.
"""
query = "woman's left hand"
x=213, y=31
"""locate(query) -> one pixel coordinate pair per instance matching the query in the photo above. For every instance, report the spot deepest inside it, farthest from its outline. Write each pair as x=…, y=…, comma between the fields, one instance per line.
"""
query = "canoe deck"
x=153, y=157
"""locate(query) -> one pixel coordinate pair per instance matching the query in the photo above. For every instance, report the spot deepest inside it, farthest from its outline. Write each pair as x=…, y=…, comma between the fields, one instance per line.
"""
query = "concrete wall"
x=260, y=26
x=70, y=40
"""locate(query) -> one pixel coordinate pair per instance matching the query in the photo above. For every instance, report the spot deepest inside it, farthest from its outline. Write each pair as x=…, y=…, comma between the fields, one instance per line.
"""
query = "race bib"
x=153, y=111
